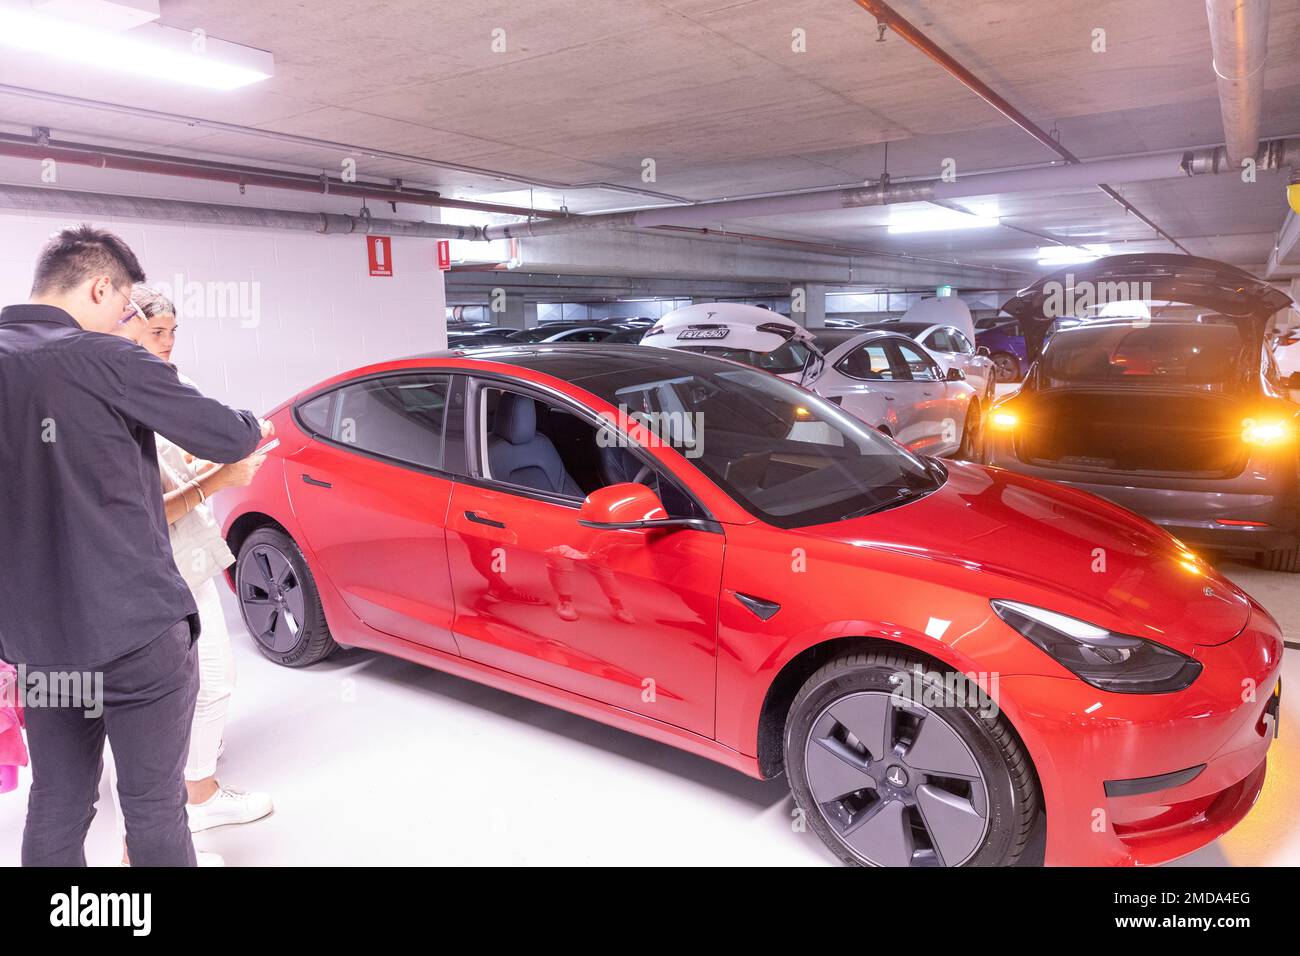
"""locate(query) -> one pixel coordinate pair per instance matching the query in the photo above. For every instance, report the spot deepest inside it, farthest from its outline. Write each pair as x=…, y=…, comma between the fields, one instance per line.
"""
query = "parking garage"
x=1049, y=251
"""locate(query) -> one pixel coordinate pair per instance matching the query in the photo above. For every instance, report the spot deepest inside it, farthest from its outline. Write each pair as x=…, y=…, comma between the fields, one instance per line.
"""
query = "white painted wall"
x=319, y=312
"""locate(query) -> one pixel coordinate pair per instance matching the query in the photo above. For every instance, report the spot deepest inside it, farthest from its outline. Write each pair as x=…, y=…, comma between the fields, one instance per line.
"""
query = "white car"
x=884, y=379
x=893, y=383
x=952, y=348
x=1286, y=353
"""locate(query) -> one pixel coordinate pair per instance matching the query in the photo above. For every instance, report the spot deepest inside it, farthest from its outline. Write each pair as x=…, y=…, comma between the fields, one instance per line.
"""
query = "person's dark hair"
x=74, y=255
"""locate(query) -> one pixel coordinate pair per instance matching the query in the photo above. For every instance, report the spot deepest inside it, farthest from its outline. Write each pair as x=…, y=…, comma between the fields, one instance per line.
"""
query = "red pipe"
x=134, y=161
x=887, y=15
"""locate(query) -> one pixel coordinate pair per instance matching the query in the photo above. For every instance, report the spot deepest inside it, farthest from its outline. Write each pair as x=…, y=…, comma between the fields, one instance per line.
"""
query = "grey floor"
x=372, y=760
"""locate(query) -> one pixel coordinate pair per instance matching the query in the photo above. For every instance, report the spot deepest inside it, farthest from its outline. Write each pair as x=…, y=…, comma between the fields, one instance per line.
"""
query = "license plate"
x=702, y=334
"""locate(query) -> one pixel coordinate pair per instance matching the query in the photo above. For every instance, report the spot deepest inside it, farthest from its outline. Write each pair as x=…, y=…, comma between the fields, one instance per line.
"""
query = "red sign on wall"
x=444, y=254
x=379, y=250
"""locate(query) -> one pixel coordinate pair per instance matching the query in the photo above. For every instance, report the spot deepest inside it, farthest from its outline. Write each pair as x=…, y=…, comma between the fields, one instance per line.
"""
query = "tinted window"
x=870, y=362
x=399, y=417
x=919, y=365
x=1208, y=355
x=782, y=360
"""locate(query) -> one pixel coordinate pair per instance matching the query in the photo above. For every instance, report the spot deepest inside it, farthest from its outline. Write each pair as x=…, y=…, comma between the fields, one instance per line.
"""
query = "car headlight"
x=1120, y=663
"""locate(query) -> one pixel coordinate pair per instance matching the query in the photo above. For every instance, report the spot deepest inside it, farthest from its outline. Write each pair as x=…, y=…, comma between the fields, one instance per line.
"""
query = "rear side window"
x=402, y=417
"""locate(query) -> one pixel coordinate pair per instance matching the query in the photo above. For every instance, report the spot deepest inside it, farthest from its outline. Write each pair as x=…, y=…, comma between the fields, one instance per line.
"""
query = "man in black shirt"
x=88, y=585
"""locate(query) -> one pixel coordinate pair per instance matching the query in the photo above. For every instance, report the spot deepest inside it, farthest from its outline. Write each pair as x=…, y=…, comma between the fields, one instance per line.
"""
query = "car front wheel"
x=895, y=764
x=279, y=601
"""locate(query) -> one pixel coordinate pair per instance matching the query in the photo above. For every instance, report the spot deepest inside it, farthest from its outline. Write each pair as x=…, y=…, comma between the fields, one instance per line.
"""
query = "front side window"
x=401, y=417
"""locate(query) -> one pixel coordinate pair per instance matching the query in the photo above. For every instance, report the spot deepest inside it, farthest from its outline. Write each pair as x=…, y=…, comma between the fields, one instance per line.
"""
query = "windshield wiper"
x=903, y=496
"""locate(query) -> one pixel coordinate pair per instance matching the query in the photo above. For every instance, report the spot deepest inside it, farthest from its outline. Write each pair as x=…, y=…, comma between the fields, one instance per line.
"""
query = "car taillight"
x=1265, y=432
x=1004, y=421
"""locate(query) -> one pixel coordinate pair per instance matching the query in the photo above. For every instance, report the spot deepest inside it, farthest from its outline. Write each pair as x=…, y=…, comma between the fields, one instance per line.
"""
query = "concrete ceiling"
x=711, y=90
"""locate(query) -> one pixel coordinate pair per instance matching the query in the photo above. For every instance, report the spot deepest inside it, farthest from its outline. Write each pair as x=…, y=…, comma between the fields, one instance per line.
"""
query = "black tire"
x=972, y=432
x=1284, y=559
x=1011, y=796
x=1006, y=367
x=309, y=639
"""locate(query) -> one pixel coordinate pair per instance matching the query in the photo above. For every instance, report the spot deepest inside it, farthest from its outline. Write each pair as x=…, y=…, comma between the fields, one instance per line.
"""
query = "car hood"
x=1228, y=290
x=1025, y=536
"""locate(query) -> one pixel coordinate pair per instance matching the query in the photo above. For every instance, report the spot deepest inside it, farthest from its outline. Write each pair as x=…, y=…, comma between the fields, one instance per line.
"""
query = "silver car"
x=950, y=347
x=1179, y=414
x=892, y=383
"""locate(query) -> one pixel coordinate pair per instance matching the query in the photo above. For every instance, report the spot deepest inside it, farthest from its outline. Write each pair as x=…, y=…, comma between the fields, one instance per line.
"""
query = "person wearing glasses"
x=201, y=555
x=88, y=582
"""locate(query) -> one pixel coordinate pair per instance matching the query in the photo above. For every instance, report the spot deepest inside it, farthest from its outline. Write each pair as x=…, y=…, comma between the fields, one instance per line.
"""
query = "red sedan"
x=936, y=654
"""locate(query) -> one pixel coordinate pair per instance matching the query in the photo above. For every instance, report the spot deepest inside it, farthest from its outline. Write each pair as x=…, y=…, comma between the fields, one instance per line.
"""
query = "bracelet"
x=199, y=488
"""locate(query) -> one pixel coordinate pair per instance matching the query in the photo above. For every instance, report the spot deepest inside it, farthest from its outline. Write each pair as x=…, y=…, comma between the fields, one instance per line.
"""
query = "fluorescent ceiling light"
x=152, y=50
x=1072, y=255
x=904, y=219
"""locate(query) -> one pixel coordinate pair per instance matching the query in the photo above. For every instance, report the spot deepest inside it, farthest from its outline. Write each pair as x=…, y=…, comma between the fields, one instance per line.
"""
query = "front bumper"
x=1080, y=738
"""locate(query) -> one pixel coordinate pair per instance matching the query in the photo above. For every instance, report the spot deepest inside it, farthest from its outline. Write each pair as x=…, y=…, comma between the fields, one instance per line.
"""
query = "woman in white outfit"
x=201, y=556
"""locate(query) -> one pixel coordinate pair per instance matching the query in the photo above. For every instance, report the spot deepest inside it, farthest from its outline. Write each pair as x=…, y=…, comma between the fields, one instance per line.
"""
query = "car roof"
x=576, y=362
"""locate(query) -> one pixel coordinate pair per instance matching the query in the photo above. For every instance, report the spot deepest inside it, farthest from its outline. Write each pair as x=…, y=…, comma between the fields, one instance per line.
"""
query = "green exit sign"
x=943, y=291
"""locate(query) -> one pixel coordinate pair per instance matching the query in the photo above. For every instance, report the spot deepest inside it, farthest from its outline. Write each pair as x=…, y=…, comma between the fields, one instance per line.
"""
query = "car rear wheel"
x=1007, y=367
x=1283, y=559
x=279, y=600
x=891, y=767
x=972, y=434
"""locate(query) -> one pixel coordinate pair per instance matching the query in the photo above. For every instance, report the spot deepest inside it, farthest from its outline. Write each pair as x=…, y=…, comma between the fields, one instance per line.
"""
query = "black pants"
x=148, y=706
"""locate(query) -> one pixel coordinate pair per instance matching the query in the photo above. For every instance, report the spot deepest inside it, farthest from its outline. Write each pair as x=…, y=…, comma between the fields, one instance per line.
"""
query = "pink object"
x=13, y=752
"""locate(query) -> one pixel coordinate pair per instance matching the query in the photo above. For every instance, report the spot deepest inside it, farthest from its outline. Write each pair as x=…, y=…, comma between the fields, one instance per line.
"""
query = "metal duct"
x=1239, y=39
x=102, y=205
x=1167, y=165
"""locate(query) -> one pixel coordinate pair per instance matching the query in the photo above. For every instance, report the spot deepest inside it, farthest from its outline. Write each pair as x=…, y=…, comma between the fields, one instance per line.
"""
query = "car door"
x=627, y=618
x=371, y=493
x=935, y=427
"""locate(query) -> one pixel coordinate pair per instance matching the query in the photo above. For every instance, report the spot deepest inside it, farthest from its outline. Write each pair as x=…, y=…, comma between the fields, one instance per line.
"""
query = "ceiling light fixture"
x=912, y=218
x=1072, y=255
x=151, y=50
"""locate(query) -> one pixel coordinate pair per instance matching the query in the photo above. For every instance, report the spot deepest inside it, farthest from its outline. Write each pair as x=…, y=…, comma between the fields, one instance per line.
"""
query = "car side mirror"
x=955, y=375
x=628, y=506
x=982, y=350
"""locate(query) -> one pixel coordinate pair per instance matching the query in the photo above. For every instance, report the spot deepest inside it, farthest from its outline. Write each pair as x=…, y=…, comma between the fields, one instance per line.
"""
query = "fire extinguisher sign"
x=444, y=254
x=379, y=249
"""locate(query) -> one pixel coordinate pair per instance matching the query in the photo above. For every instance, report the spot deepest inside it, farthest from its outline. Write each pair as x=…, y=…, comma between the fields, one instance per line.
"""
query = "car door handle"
x=477, y=518
x=889, y=398
x=315, y=481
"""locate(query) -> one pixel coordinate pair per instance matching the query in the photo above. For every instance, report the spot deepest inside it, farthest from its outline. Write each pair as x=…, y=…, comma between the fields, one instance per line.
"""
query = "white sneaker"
x=209, y=859
x=228, y=807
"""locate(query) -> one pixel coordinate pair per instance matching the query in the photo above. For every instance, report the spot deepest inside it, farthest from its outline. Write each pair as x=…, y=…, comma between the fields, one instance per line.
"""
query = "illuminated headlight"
x=1109, y=661
x=1004, y=420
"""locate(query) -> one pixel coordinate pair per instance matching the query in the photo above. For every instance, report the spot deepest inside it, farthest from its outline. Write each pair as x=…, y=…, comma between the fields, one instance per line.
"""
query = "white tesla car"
x=952, y=348
x=882, y=378
x=891, y=382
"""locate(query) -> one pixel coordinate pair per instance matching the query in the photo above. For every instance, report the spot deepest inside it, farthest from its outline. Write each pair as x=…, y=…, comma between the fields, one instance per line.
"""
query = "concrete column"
x=812, y=297
x=530, y=315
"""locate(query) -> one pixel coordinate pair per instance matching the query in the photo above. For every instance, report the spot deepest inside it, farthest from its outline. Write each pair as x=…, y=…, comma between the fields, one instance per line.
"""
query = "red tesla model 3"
x=936, y=654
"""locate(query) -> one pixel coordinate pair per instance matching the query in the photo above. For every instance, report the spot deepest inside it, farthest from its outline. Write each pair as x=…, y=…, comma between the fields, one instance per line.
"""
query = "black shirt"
x=86, y=568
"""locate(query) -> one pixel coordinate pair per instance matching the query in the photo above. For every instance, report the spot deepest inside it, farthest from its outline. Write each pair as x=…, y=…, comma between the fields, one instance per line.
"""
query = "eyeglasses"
x=131, y=312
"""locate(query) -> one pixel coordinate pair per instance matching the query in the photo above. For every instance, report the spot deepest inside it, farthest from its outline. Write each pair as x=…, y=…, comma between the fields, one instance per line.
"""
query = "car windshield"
x=783, y=360
x=783, y=454
x=1206, y=355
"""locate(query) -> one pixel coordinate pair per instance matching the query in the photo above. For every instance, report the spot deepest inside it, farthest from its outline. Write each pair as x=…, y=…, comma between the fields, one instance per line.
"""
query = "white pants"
x=216, y=683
